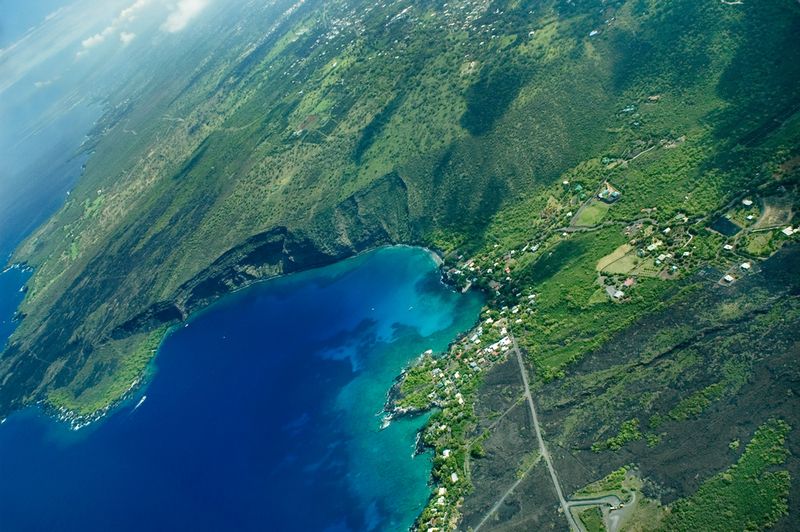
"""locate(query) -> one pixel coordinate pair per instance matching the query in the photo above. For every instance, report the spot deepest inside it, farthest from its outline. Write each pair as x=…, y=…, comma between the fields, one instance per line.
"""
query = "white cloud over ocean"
x=130, y=12
x=126, y=15
x=97, y=38
x=183, y=12
x=126, y=37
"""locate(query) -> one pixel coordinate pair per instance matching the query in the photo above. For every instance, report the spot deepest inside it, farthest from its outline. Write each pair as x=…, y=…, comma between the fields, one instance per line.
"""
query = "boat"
x=140, y=402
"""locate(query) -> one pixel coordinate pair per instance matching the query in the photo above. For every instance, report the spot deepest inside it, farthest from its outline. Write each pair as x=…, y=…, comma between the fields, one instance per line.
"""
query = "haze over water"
x=263, y=414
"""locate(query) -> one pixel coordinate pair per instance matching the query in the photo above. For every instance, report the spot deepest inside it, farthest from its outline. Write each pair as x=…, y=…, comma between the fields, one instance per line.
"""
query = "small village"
x=449, y=384
x=657, y=251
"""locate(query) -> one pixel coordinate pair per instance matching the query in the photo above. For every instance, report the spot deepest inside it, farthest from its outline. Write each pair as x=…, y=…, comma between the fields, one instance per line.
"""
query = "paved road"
x=566, y=506
x=614, y=518
x=542, y=448
x=607, y=500
x=611, y=500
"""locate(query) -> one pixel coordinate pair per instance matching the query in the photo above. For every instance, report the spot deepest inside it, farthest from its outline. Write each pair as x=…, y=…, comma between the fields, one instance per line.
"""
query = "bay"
x=263, y=413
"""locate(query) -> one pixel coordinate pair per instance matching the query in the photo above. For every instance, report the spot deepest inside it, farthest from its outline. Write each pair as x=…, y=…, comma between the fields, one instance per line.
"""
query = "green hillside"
x=572, y=159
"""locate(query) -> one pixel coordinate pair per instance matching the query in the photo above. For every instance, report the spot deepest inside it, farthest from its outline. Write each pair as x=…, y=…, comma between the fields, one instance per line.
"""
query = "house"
x=614, y=293
x=446, y=453
x=608, y=193
x=727, y=247
x=630, y=281
x=788, y=231
x=453, y=478
x=728, y=278
x=745, y=266
x=747, y=202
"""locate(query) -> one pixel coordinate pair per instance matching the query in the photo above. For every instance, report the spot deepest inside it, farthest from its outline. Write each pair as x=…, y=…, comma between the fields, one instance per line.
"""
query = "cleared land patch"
x=777, y=211
x=623, y=261
x=647, y=268
x=616, y=255
x=591, y=214
x=759, y=244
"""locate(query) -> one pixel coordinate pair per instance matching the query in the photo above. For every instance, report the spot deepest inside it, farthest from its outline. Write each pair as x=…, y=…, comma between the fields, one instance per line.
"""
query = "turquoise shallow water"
x=262, y=414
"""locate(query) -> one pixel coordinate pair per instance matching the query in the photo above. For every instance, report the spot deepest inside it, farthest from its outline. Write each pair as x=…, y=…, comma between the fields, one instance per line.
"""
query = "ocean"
x=263, y=413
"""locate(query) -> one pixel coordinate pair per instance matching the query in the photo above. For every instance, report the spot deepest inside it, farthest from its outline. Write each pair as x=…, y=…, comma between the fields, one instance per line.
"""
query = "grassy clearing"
x=599, y=296
x=624, y=265
x=592, y=214
x=592, y=519
x=611, y=258
x=647, y=268
x=760, y=244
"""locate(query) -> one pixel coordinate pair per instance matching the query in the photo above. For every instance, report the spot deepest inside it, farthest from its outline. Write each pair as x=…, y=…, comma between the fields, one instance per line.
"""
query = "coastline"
x=394, y=412
x=332, y=323
x=391, y=411
x=78, y=421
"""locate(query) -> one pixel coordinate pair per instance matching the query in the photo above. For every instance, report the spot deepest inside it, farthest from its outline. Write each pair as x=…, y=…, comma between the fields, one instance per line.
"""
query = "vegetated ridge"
x=589, y=165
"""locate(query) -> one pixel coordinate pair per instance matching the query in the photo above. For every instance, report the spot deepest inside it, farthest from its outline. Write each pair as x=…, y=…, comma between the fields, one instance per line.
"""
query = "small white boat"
x=140, y=402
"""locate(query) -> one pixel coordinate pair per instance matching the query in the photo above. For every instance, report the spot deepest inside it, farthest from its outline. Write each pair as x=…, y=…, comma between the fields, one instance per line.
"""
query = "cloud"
x=182, y=14
x=126, y=37
x=54, y=14
x=97, y=38
x=126, y=15
x=129, y=13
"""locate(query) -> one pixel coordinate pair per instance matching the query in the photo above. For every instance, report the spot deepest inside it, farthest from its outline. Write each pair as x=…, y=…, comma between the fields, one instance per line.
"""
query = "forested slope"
x=310, y=132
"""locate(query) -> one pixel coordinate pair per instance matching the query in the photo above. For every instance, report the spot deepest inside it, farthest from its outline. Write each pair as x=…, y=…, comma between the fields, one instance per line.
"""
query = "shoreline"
x=78, y=421
x=74, y=421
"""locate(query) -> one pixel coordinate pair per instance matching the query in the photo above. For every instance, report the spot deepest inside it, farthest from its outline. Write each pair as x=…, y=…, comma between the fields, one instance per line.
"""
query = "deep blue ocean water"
x=262, y=414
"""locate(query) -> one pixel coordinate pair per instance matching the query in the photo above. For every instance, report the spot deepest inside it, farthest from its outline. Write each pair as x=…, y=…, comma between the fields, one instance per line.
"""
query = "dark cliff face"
x=375, y=216
x=371, y=218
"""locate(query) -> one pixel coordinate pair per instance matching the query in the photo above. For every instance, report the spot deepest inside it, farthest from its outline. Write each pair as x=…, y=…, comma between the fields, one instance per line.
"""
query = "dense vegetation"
x=750, y=495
